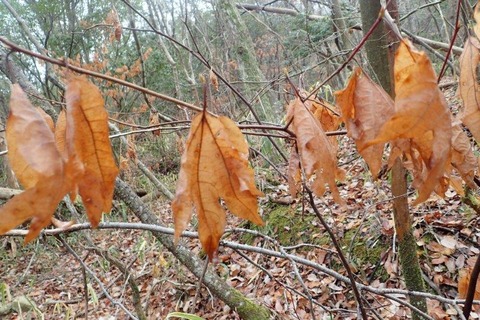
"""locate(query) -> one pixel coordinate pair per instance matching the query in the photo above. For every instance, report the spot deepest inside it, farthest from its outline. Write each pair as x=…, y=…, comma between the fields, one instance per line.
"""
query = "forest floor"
x=446, y=230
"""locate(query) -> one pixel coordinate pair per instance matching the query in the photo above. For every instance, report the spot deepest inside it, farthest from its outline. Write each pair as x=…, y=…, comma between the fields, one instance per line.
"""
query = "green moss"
x=247, y=309
x=287, y=226
x=411, y=272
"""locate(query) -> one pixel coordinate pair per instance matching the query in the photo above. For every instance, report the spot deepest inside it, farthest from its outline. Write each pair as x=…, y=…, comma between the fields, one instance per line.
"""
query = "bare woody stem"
x=65, y=64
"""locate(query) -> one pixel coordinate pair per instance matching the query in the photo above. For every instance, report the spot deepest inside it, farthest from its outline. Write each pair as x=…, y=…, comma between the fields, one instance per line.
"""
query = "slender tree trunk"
x=340, y=26
x=381, y=62
x=244, y=51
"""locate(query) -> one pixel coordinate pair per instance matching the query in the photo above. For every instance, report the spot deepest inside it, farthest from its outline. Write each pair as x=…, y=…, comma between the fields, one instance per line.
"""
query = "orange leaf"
x=422, y=117
x=214, y=166
x=294, y=175
x=326, y=115
x=88, y=144
x=46, y=117
x=316, y=153
x=365, y=108
x=32, y=153
x=213, y=79
x=469, y=88
x=463, y=281
x=463, y=159
x=37, y=164
x=60, y=133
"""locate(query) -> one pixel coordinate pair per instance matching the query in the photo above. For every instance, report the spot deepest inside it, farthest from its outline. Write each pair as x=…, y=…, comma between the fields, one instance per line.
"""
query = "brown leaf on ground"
x=422, y=117
x=37, y=164
x=316, y=153
x=365, y=108
x=88, y=144
x=214, y=166
x=469, y=88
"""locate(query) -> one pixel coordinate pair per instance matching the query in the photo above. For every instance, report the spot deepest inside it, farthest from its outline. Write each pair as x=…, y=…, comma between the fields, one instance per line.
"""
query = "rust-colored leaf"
x=328, y=118
x=154, y=121
x=365, y=108
x=32, y=153
x=422, y=117
x=214, y=166
x=294, y=176
x=463, y=281
x=87, y=138
x=469, y=88
x=316, y=153
x=37, y=164
x=114, y=21
x=463, y=159
x=213, y=79
x=47, y=118
x=60, y=133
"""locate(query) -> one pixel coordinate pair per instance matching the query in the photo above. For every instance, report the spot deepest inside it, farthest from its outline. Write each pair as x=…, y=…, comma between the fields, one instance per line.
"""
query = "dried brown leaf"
x=316, y=153
x=328, y=118
x=37, y=164
x=469, y=88
x=463, y=281
x=294, y=176
x=422, y=117
x=365, y=108
x=463, y=159
x=88, y=143
x=214, y=166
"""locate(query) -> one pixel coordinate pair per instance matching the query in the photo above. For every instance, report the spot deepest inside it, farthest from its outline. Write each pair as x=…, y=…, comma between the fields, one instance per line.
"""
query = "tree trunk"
x=381, y=62
x=243, y=50
x=340, y=26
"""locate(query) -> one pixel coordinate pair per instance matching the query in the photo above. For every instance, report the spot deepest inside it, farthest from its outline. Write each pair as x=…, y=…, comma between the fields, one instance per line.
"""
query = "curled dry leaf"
x=88, y=143
x=60, y=133
x=154, y=121
x=294, y=176
x=50, y=165
x=114, y=21
x=463, y=159
x=37, y=164
x=422, y=118
x=365, y=108
x=316, y=153
x=463, y=281
x=213, y=79
x=214, y=166
x=469, y=88
x=328, y=118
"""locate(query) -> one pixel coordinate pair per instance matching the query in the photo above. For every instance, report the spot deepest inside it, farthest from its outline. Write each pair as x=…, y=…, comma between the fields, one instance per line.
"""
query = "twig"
x=350, y=57
x=85, y=287
x=204, y=61
x=65, y=64
x=127, y=275
x=471, y=288
x=345, y=263
x=92, y=274
x=244, y=247
x=452, y=41
x=199, y=286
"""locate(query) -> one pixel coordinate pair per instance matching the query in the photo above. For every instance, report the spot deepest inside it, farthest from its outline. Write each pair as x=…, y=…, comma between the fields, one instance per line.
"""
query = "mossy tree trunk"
x=246, y=308
x=381, y=61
